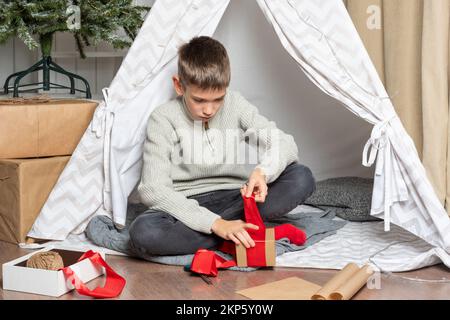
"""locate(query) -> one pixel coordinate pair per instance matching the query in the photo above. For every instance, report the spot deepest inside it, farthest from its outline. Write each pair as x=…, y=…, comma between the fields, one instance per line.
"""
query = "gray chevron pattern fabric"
x=322, y=39
x=367, y=242
x=77, y=193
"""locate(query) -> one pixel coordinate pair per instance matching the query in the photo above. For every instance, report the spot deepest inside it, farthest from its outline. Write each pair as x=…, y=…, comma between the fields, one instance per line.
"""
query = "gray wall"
x=329, y=137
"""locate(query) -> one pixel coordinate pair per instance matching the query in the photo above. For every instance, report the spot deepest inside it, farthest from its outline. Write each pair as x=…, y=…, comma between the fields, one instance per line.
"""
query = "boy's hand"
x=257, y=184
x=234, y=230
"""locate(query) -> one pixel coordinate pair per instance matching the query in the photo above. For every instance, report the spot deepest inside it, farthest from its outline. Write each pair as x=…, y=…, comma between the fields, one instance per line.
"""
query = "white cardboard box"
x=17, y=277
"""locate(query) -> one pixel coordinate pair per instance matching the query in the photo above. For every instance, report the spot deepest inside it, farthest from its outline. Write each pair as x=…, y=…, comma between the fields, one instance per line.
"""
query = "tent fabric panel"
x=316, y=34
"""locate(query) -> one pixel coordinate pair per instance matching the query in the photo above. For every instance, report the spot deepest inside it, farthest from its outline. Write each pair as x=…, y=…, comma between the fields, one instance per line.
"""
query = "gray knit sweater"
x=183, y=157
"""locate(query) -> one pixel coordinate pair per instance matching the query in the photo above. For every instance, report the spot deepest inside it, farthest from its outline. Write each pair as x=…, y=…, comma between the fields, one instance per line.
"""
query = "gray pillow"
x=350, y=197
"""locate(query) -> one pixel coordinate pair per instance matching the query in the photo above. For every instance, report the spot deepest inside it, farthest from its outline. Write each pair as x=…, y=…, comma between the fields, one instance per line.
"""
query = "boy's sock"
x=294, y=234
x=102, y=232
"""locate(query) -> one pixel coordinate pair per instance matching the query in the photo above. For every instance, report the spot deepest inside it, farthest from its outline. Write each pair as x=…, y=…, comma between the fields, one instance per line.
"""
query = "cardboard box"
x=246, y=257
x=17, y=277
x=53, y=128
x=25, y=185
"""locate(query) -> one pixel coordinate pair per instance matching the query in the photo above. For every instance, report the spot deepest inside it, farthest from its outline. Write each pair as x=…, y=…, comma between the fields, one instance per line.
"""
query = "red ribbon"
x=256, y=256
x=252, y=216
x=114, y=282
x=208, y=262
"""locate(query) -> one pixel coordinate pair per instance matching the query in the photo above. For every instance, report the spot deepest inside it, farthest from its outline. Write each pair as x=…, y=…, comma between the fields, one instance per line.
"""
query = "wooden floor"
x=147, y=280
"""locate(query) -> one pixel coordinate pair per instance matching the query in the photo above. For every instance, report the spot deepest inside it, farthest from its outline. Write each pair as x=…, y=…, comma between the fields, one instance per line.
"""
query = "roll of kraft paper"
x=345, y=284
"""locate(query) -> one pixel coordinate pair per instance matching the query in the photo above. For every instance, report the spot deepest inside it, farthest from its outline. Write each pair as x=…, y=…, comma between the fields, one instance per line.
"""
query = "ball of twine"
x=48, y=260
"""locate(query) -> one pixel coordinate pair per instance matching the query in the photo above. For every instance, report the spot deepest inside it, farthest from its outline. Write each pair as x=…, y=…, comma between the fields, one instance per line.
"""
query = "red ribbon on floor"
x=114, y=282
x=208, y=262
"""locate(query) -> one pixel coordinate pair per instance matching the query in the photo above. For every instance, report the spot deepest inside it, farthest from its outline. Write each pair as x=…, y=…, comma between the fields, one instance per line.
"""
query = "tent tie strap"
x=102, y=125
x=99, y=120
x=377, y=141
x=380, y=141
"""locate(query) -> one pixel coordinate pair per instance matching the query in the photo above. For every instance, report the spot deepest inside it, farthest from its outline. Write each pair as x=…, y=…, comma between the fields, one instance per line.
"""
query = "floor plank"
x=146, y=280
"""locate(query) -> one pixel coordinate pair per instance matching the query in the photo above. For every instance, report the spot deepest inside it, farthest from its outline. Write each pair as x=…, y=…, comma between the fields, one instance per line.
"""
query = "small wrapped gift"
x=263, y=253
x=206, y=262
x=36, y=127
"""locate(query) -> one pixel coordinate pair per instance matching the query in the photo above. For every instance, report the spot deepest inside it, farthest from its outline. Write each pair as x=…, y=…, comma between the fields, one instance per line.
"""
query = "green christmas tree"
x=90, y=21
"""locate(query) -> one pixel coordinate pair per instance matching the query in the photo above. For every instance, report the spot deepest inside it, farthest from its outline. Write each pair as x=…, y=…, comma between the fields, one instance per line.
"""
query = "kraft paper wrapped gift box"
x=262, y=254
x=17, y=277
x=25, y=185
x=42, y=129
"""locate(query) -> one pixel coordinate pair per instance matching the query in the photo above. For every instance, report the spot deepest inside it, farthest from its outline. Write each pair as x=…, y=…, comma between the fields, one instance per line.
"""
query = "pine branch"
x=24, y=35
x=101, y=20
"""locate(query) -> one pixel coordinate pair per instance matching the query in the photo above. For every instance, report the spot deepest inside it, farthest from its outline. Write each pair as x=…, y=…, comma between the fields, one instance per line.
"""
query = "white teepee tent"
x=320, y=36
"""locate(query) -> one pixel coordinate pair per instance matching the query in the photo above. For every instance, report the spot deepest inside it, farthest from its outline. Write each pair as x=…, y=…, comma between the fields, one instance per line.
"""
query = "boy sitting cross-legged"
x=192, y=183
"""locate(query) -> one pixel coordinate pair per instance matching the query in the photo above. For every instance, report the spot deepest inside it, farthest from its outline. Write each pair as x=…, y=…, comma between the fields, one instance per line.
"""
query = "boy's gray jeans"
x=158, y=233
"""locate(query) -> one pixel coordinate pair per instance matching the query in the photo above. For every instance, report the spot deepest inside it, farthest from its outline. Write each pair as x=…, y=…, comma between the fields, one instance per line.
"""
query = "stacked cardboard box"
x=36, y=141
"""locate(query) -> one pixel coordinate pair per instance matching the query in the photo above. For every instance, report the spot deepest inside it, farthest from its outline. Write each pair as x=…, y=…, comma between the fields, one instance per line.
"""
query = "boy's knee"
x=146, y=237
x=304, y=180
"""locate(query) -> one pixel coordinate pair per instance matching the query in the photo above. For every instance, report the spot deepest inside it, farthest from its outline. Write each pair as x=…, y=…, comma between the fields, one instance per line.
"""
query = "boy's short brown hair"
x=204, y=62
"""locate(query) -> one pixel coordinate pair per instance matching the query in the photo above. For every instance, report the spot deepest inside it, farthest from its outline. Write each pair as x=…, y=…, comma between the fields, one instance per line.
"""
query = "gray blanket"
x=316, y=225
